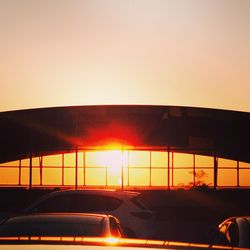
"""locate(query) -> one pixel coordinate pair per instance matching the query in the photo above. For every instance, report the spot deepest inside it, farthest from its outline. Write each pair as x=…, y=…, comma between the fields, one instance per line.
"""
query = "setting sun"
x=114, y=161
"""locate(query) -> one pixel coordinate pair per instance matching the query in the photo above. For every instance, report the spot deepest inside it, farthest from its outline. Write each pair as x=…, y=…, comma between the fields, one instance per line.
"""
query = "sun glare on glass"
x=116, y=162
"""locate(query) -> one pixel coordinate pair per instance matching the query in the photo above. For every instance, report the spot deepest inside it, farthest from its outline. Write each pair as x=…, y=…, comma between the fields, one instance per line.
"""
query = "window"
x=139, y=203
x=115, y=228
x=54, y=204
x=233, y=234
x=228, y=234
x=93, y=203
x=220, y=237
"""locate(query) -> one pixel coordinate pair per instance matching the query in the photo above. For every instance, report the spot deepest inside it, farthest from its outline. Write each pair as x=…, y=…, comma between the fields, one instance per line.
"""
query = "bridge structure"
x=148, y=141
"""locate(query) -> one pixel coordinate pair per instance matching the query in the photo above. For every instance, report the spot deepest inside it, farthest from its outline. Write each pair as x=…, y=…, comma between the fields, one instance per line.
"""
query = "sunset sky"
x=163, y=52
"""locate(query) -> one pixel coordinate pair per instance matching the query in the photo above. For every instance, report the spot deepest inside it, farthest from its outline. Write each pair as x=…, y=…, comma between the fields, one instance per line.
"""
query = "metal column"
x=30, y=174
x=238, y=174
x=76, y=172
x=194, y=171
x=41, y=169
x=84, y=168
x=19, y=172
x=168, y=169
x=122, y=169
x=62, y=169
x=150, y=168
x=215, y=172
x=172, y=165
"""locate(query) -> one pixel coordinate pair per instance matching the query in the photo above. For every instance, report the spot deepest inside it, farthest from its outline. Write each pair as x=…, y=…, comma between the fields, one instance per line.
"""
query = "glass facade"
x=148, y=169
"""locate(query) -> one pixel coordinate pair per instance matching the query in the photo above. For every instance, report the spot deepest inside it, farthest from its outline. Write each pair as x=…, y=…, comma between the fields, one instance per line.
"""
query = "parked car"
x=62, y=224
x=136, y=219
x=234, y=231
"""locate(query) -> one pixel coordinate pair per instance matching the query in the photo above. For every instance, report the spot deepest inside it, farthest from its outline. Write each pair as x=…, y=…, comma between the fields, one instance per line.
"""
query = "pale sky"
x=156, y=52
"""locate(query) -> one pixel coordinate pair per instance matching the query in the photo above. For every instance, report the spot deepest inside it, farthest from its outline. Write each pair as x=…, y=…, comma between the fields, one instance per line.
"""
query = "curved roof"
x=204, y=131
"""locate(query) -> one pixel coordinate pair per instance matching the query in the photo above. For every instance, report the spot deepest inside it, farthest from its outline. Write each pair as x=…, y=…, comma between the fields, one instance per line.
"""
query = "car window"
x=233, y=234
x=221, y=237
x=115, y=228
x=228, y=234
x=59, y=203
x=77, y=203
x=137, y=201
x=93, y=203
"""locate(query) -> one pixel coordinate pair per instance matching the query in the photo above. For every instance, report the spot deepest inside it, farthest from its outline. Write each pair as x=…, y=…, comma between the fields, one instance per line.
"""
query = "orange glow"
x=111, y=135
x=112, y=240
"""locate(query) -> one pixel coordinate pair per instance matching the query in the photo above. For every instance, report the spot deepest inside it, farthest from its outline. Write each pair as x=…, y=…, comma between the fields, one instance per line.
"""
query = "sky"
x=155, y=52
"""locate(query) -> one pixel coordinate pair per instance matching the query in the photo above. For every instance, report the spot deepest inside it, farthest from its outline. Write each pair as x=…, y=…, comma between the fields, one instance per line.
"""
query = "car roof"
x=114, y=193
x=246, y=217
x=243, y=219
x=58, y=217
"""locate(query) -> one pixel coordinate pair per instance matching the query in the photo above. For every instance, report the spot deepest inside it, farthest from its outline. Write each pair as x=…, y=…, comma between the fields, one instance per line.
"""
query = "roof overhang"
x=203, y=131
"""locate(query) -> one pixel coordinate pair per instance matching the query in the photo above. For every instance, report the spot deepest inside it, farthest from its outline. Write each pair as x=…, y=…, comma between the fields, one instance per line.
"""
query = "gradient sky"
x=166, y=52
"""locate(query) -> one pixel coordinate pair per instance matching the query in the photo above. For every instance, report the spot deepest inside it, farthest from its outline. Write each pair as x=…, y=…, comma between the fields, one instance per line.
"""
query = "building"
x=125, y=146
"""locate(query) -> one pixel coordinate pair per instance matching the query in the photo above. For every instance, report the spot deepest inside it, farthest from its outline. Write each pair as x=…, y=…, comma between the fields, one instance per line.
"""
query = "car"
x=136, y=219
x=62, y=224
x=234, y=232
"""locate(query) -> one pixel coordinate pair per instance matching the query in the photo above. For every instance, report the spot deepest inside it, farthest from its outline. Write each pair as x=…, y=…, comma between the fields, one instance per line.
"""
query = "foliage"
x=199, y=182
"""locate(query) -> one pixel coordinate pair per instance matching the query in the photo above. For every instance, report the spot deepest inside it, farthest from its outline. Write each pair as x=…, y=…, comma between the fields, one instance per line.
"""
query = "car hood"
x=92, y=243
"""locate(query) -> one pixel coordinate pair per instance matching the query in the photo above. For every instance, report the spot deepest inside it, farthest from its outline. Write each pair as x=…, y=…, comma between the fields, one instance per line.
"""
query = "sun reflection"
x=112, y=240
x=116, y=162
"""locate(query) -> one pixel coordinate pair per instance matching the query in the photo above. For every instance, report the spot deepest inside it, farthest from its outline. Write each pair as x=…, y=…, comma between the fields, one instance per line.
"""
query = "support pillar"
x=76, y=168
x=30, y=174
x=215, y=172
x=168, y=169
